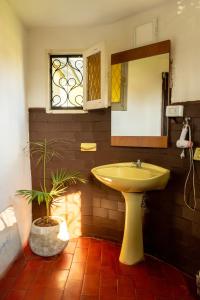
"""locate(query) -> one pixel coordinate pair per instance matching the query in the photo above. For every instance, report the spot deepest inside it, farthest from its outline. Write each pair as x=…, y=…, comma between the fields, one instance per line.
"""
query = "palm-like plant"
x=60, y=179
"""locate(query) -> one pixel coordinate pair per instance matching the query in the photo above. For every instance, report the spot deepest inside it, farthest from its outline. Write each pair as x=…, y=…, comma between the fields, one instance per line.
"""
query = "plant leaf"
x=66, y=178
x=31, y=195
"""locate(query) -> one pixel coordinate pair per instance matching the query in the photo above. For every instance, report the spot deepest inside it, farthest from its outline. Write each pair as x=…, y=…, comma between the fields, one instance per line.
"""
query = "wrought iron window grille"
x=66, y=82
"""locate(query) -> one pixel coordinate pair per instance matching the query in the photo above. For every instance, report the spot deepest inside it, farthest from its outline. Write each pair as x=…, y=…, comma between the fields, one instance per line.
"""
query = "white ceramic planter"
x=49, y=241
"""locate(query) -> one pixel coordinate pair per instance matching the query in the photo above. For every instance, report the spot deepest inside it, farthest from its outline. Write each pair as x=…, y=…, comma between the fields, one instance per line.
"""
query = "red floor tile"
x=124, y=269
x=29, y=254
x=54, y=294
x=47, y=267
x=83, y=243
x=4, y=293
x=15, y=295
x=6, y=284
x=160, y=287
x=126, y=298
x=108, y=259
x=141, y=294
x=164, y=298
x=16, y=267
x=63, y=262
x=44, y=294
x=91, y=285
x=71, y=246
x=58, y=279
x=89, y=269
x=94, y=251
x=108, y=270
x=108, y=280
x=33, y=294
x=77, y=271
x=24, y=280
x=84, y=297
x=73, y=289
x=108, y=292
x=92, y=266
x=179, y=291
x=125, y=286
x=80, y=255
x=41, y=281
x=34, y=265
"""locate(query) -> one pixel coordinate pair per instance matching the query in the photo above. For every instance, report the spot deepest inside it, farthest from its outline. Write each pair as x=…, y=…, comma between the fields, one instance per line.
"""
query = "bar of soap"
x=88, y=147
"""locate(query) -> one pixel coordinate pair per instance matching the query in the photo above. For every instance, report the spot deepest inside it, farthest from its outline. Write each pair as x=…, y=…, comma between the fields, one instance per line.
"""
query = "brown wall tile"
x=100, y=212
x=109, y=204
x=116, y=215
x=121, y=206
x=96, y=201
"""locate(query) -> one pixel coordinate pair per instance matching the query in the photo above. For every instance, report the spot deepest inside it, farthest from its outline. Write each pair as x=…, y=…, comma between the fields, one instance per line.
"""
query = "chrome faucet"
x=138, y=163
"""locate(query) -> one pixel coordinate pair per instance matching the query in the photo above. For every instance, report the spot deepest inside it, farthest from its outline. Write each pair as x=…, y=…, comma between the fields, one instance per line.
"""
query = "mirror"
x=140, y=92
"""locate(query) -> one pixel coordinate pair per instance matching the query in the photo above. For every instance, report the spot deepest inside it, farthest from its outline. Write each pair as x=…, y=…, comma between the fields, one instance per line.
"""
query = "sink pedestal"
x=132, y=246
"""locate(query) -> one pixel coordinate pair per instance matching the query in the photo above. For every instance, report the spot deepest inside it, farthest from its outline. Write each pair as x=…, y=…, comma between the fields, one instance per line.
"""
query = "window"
x=78, y=81
x=66, y=74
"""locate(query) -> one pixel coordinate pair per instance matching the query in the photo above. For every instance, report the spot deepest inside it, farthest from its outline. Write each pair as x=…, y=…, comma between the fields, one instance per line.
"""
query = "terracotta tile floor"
x=89, y=269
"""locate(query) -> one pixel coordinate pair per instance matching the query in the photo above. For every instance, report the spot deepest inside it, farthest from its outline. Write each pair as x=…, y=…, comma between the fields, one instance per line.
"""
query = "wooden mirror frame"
x=134, y=54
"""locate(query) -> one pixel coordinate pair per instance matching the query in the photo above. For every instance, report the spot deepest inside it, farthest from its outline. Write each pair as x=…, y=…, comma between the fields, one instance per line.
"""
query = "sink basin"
x=125, y=177
x=132, y=182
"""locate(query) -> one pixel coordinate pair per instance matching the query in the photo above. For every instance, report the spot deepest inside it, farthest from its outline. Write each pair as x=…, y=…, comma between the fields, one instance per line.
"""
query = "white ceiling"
x=52, y=13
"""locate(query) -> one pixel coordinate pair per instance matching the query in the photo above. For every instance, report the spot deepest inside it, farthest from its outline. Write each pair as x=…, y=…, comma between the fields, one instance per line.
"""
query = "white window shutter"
x=95, y=95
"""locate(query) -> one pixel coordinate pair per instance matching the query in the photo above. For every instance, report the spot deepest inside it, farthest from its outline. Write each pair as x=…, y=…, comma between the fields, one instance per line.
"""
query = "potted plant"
x=46, y=232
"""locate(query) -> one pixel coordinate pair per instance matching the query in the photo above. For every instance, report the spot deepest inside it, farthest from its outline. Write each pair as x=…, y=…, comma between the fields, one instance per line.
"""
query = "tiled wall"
x=171, y=231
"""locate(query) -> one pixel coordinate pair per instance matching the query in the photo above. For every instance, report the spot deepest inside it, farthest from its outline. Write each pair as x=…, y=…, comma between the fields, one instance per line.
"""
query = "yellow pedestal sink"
x=132, y=181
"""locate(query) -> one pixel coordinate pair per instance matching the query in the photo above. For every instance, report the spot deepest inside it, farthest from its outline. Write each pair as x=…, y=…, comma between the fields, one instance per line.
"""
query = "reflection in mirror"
x=140, y=92
x=143, y=116
x=119, y=77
